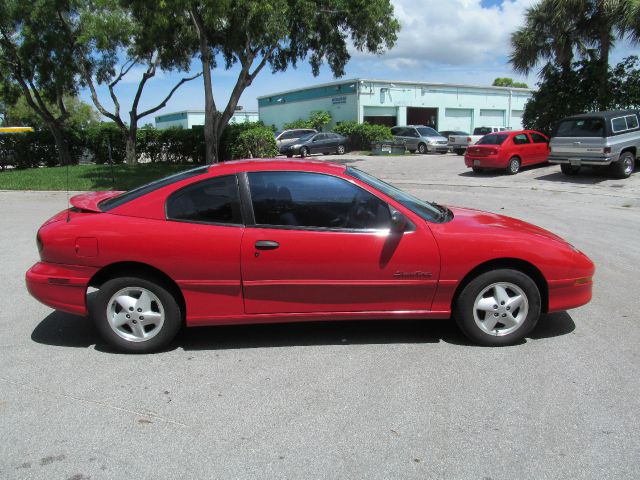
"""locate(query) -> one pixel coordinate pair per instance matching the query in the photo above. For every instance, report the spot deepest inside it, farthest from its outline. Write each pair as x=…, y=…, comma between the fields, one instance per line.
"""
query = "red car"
x=281, y=241
x=508, y=150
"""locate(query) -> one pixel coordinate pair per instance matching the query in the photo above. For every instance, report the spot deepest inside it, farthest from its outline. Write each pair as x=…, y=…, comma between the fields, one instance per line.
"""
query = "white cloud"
x=452, y=32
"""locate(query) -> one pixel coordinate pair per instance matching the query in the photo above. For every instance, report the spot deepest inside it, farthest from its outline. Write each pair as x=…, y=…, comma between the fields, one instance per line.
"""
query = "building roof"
x=393, y=83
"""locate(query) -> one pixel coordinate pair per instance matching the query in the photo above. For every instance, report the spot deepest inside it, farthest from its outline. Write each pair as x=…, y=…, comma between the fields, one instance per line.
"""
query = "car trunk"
x=579, y=147
x=482, y=150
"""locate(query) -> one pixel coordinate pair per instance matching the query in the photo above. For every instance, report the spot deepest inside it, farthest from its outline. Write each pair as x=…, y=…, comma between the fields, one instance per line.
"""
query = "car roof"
x=257, y=164
x=607, y=114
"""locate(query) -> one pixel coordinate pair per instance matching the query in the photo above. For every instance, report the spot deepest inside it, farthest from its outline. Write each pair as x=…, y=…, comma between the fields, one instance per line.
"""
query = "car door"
x=541, y=146
x=524, y=149
x=321, y=243
x=317, y=143
x=332, y=143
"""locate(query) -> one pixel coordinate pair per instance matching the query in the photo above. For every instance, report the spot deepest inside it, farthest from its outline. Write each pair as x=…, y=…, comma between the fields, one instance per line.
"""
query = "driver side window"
x=314, y=200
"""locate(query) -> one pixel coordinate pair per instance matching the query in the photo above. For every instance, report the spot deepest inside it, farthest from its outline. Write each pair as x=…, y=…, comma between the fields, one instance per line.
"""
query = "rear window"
x=581, y=127
x=482, y=130
x=125, y=197
x=497, y=139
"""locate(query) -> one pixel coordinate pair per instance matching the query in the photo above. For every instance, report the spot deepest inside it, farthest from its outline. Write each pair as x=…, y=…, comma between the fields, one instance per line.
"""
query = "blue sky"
x=450, y=41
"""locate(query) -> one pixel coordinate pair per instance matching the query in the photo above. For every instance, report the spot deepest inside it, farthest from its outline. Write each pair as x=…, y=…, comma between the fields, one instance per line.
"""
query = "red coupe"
x=280, y=241
x=508, y=151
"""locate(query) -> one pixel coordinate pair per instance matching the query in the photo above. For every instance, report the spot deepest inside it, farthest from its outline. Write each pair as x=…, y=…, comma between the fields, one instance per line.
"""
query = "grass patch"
x=88, y=177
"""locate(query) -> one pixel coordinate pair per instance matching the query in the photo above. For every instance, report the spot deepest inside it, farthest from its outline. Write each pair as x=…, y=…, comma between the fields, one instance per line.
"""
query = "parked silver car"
x=421, y=139
x=597, y=139
x=289, y=137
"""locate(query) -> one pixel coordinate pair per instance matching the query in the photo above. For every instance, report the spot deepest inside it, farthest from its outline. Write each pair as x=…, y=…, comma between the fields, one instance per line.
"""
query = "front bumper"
x=437, y=148
x=574, y=291
x=63, y=287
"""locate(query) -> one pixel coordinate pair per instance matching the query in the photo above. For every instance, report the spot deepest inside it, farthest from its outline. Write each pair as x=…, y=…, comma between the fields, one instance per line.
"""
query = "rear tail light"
x=607, y=149
x=468, y=139
x=493, y=152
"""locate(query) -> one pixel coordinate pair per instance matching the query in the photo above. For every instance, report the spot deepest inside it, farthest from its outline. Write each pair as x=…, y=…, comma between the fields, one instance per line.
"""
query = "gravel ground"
x=341, y=400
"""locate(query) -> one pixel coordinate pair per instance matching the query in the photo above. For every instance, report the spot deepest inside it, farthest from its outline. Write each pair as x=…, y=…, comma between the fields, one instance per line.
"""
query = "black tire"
x=568, y=169
x=304, y=151
x=422, y=148
x=459, y=151
x=168, y=305
x=477, y=169
x=625, y=166
x=289, y=155
x=463, y=309
x=341, y=150
x=513, y=166
x=412, y=151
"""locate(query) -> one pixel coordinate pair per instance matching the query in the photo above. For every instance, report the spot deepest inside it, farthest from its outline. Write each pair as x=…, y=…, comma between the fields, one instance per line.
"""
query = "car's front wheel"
x=422, y=148
x=136, y=315
x=498, y=308
x=304, y=152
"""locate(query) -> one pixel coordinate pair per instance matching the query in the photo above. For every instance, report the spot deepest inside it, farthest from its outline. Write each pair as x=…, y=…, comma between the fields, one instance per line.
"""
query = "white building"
x=190, y=118
x=442, y=106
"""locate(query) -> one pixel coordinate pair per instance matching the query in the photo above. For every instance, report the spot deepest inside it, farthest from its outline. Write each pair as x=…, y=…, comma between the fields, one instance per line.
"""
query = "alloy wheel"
x=500, y=308
x=135, y=314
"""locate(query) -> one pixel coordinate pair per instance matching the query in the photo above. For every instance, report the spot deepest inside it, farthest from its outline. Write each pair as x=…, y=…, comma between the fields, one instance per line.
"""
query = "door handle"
x=266, y=245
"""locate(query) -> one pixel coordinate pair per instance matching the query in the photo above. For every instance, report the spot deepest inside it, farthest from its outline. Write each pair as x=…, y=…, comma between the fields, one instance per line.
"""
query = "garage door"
x=491, y=118
x=516, y=119
x=457, y=119
x=381, y=115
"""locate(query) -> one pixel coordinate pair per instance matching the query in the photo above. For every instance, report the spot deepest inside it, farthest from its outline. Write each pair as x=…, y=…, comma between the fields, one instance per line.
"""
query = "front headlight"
x=432, y=142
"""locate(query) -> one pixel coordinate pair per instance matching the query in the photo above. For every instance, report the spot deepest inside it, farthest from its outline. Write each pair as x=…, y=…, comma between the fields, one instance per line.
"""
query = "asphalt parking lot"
x=375, y=400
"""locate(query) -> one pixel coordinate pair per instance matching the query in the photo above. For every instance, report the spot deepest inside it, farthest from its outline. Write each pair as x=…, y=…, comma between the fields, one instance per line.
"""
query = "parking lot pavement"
x=341, y=400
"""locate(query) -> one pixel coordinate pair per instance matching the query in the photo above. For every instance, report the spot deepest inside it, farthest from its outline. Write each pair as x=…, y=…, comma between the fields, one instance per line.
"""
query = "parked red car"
x=508, y=150
x=282, y=241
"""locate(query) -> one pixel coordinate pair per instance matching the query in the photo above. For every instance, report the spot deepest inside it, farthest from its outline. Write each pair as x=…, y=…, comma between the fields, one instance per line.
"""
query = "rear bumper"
x=58, y=286
x=556, y=159
x=488, y=161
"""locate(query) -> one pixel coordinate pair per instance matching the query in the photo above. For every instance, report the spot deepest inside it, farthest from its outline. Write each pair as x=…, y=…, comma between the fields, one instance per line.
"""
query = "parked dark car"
x=291, y=136
x=318, y=143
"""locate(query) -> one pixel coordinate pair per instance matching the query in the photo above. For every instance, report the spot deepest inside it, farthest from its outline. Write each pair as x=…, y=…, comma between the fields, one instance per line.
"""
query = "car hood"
x=89, y=201
x=437, y=138
x=469, y=220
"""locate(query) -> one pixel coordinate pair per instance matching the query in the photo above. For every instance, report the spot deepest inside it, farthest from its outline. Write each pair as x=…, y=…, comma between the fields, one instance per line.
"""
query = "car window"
x=428, y=132
x=580, y=127
x=482, y=130
x=125, y=197
x=632, y=122
x=314, y=200
x=521, y=139
x=493, y=139
x=289, y=135
x=411, y=132
x=396, y=131
x=618, y=124
x=537, y=138
x=215, y=200
x=319, y=137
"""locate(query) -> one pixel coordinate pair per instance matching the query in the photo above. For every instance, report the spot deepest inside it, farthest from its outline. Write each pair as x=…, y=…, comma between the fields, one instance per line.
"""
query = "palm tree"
x=548, y=34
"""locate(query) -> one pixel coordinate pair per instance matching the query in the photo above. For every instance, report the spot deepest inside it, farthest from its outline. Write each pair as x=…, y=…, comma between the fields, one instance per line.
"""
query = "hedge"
x=175, y=145
x=362, y=134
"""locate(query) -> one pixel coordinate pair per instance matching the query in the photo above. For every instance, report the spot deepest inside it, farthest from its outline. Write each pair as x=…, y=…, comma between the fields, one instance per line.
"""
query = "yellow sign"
x=15, y=129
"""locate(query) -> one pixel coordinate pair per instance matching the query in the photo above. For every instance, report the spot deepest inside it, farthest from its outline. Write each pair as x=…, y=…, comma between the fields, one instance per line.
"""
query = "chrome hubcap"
x=500, y=309
x=514, y=166
x=135, y=314
x=628, y=165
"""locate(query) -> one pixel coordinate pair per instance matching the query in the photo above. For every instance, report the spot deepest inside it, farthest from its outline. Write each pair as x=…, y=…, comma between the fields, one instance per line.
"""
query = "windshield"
x=125, y=197
x=431, y=212
x=581, y=127
x=427, y=132
x=492, y=139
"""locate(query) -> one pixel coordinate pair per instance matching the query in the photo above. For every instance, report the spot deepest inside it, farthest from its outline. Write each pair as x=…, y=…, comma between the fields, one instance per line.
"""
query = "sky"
x=447, y=41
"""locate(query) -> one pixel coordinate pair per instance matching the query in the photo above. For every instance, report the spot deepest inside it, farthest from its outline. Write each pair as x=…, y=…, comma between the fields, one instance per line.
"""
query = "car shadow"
x=586, y=176
x=66, y=330
x=501, y=172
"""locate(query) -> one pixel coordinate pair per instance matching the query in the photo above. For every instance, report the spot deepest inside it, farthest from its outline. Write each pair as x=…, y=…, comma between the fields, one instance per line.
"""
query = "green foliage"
x=562, y=93
x=38, y=148
x=362, y=134
x=101, y=137
x=256, y=142
x=81, y=114
x=508, y=82
x=300, y=123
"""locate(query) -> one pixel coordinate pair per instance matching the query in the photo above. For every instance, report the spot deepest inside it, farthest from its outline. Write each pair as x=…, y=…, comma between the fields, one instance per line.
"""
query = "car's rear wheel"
x=624, y=167
x=498, y=307
x=514, y=166
x=136, y=315
x=340, y=150
x=304, y=151
x=568, y=169
x=412, y=151
x=422, y=148
x=459, y=151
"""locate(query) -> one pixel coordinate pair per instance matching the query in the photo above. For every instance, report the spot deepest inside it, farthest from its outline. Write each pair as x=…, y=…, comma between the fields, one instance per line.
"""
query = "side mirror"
x=398, y=221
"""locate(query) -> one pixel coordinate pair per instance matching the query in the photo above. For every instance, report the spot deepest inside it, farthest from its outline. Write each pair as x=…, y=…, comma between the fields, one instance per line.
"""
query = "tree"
x=37, y=63
x=102, y=29
x=81, y=114
x=508, y=82
x=280, y=33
